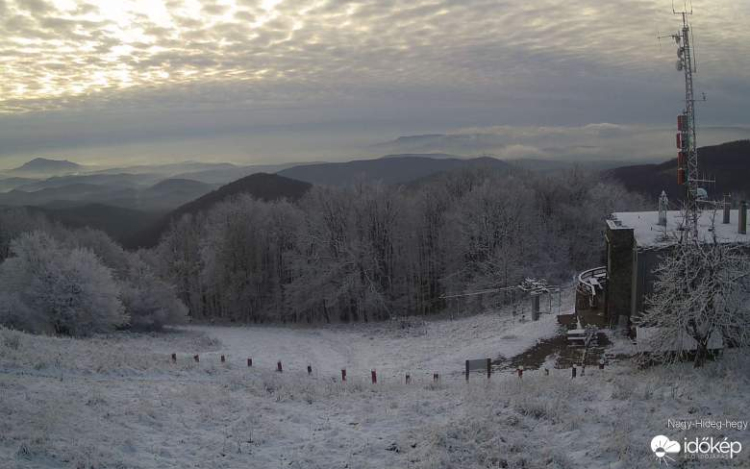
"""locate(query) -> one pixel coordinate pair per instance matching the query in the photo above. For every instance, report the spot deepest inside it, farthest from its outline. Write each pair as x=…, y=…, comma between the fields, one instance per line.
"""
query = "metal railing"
x=588, y=280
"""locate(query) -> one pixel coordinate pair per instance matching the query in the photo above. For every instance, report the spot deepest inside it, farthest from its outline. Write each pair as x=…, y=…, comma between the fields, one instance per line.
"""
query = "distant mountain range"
x=10, y=183
x=120, y=223
x=261, y=186
x=119, y=181
x=43, y=166
x=728, y=164
x=136, y=205
x=117, y=190
x=390, y=169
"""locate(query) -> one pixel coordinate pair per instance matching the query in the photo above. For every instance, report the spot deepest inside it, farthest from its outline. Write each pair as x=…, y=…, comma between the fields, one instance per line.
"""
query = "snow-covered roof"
x=648, y=233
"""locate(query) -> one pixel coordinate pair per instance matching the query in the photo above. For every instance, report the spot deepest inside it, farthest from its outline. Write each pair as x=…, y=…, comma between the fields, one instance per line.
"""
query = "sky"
x=246, y=81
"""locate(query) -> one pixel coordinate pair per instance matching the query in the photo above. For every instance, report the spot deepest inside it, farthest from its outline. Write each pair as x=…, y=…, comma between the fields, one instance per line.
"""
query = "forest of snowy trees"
x=362, y=253
x=77, y=282
x=372, y=252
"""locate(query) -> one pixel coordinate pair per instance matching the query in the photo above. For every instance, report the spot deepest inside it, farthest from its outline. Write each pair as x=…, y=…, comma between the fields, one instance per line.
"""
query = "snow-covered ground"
x=392, y=348
x=119, y=402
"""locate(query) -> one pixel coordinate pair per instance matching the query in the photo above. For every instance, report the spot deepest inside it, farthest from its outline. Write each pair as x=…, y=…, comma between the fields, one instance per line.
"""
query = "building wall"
x=620, y=254
x=647, y=261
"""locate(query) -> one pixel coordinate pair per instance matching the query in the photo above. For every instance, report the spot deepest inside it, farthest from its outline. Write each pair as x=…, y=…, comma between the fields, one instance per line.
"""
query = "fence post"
x=374, y=377
x=435, y=377
x=343, y=375
x=467, y=371
x=309, y=369
x=249, y=362
x=174, y=358
x=278, y=366
x=223, y=359
x=573, y=372
x=196, y=358
x=408, y=378
x=489, y=368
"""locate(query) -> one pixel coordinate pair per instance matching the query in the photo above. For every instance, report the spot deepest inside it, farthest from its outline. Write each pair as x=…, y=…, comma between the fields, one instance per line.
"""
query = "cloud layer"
x=423, y=63
x=592, y=142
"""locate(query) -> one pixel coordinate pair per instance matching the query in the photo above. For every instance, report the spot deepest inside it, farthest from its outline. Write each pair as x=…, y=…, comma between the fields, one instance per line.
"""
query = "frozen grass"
x=119, y=402
x=421, y=347
x=115, y=353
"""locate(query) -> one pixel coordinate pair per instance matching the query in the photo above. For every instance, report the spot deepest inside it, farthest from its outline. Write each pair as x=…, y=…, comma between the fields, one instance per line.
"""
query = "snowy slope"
x=118, y=401
x=422, y=346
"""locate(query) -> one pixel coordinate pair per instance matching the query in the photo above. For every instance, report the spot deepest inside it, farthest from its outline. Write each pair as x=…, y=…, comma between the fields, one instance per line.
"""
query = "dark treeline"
x=371, y=252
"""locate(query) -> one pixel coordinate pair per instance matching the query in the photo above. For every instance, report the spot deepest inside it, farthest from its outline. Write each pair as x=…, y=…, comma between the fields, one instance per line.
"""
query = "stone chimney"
x=663, y=207
x=742, y=222
x=727, y=208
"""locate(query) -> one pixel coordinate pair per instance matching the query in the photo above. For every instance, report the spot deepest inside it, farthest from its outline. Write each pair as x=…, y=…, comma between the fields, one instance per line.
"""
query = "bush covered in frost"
x=45, y=287
x=150, y=302
x=79, y=283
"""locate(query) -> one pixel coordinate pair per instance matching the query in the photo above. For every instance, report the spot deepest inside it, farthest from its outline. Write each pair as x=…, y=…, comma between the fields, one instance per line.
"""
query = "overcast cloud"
x=259, y=81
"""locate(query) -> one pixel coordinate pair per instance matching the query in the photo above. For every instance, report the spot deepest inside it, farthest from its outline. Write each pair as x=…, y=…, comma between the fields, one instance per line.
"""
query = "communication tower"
x=687, y=156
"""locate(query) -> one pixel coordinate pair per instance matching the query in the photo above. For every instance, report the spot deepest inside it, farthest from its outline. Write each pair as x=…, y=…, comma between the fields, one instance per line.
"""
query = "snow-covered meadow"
x=118, y=401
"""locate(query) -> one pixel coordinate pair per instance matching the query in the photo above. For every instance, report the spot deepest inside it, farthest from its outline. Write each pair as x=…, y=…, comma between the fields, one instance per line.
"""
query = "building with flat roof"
x=635, y=245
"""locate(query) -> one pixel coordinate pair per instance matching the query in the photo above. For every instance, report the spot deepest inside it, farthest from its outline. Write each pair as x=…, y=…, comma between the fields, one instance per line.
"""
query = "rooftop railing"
x=589, y=280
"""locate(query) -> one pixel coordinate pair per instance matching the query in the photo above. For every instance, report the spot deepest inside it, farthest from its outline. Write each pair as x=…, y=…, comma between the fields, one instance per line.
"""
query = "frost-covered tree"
x=55, y=289
x=702, y=292
x=179, y=262
x=370, y=252
x=105, y=248
x=150, y=302
x=16, y=221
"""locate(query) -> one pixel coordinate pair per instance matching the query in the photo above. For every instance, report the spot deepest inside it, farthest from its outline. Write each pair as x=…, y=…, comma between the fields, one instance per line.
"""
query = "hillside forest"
x=365, y=252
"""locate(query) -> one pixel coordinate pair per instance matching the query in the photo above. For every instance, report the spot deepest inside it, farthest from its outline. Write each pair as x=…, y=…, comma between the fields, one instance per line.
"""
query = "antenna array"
x=687, y=157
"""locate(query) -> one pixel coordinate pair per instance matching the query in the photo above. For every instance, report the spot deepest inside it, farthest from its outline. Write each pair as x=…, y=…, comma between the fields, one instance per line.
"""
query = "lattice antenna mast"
x=687, y=158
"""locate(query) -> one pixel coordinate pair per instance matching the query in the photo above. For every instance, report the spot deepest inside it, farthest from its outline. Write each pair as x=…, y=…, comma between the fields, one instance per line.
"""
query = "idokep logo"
x=709, y=448
x=699, y=448
x=663, y=447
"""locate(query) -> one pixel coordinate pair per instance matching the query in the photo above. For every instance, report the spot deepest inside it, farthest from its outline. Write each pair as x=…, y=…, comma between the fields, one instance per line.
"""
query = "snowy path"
x=434, y=346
